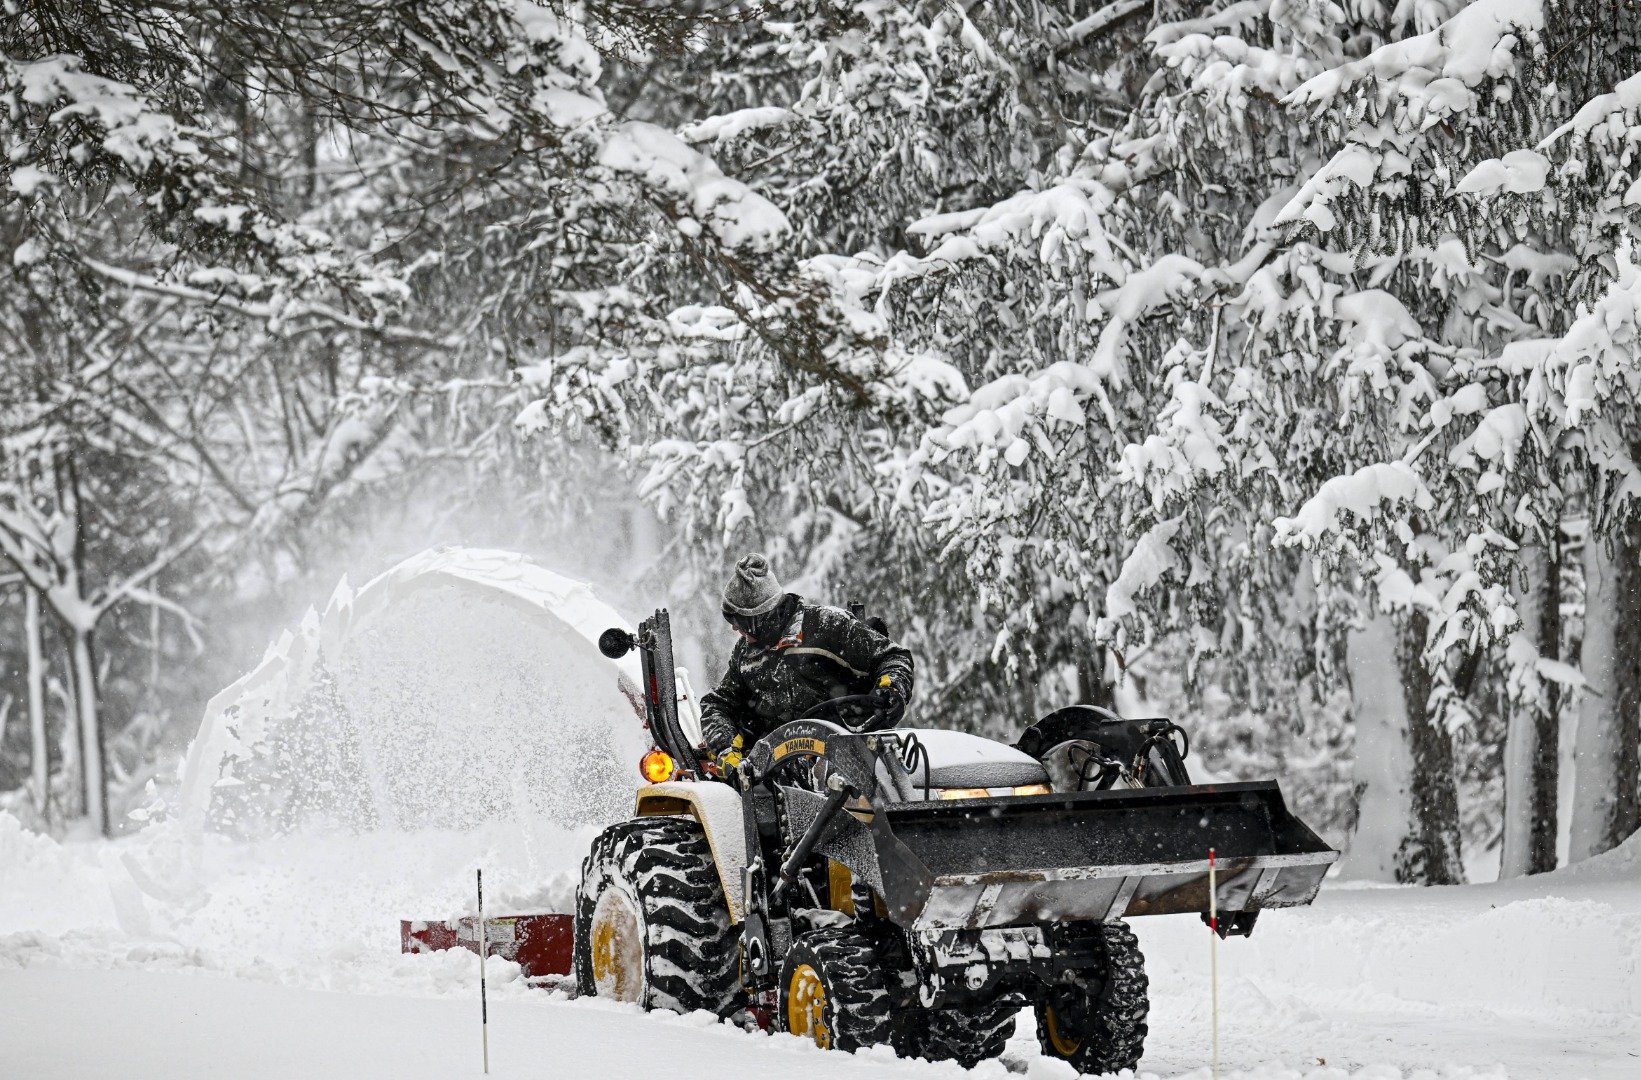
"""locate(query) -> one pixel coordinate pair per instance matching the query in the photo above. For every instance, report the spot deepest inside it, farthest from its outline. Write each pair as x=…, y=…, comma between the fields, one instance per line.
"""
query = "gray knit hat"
x=753, y=589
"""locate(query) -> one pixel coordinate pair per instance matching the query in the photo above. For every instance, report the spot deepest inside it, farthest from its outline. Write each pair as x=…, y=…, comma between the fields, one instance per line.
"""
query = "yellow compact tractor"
x=918, y=887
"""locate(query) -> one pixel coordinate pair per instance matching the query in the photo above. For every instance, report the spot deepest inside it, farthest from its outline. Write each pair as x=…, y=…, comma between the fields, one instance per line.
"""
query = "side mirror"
x=616, y=643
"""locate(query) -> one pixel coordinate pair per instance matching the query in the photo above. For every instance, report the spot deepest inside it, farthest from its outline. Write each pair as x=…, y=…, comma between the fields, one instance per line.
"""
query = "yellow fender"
x=718, y=808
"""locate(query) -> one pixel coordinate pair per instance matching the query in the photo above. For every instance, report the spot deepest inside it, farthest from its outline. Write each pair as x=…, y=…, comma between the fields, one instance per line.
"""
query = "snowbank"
x=314, y=910
x=46, y=887
x=1566, y=949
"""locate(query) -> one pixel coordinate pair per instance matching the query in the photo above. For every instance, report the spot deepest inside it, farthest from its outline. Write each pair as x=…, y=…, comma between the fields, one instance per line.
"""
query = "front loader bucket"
x=1096, y=855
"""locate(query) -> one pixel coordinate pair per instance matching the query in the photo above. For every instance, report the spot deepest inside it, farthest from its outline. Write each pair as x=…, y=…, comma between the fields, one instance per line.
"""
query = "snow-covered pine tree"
x=1360, y=312
x=1588, y=390
x=1435, y=177
x=856, y=122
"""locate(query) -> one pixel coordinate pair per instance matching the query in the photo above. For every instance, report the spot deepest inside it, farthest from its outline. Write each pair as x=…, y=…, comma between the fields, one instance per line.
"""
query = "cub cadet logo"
x=799, y=746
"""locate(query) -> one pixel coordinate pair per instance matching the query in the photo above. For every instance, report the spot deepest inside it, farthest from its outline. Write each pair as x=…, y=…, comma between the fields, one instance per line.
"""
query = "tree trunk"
x=1625, y=816
x=1530, y=757
x=1384, y=809
x=1093, y=685
x=81, y=619
x=1605, y=747
x=89, y=722
x=1430, y=855
x=1547, y=765
x=1521, y=750
x=68, y=752
x=39, y=748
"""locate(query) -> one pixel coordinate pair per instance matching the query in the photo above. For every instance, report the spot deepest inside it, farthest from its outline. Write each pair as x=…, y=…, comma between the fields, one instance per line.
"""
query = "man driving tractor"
x=791, y=656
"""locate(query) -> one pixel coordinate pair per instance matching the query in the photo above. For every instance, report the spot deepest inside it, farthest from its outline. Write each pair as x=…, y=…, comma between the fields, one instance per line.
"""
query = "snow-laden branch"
x=1358, y=499
x=1065, y=223
x=1105, y=18
x=1153, y=558
x=290, y=316
x=1430, y=76
x=91, y=123
x=1417, y=84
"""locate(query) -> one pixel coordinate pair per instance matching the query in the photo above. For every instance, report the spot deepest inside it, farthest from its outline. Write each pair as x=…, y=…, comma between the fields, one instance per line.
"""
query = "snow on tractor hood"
x=458, y=687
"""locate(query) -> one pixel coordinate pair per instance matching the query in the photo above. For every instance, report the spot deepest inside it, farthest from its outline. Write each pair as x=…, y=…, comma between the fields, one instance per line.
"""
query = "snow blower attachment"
x=918, y=887
x=539, y=944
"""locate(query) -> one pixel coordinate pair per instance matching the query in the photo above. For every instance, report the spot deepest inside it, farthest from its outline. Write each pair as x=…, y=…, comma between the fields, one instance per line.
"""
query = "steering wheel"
x=836, y=706
x=809, y=772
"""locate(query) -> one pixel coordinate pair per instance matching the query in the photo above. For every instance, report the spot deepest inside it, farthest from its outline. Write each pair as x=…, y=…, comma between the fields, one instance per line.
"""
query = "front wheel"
x=833, y=991
x=651, y=922
x=1096, y=1020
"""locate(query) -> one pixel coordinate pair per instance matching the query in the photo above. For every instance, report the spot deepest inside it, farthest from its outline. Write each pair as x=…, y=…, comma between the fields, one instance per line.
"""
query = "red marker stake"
x=1213, y=954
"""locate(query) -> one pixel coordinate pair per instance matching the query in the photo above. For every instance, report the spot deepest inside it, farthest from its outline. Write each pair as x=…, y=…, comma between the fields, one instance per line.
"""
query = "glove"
x=729, y=758
x=718, y=734
x=887, y=700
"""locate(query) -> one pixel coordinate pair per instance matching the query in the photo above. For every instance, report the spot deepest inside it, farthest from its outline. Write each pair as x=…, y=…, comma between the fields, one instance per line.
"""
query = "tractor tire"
x=966, y=1036
x=833, y=991
x=1097, y=1023
x=651, y=923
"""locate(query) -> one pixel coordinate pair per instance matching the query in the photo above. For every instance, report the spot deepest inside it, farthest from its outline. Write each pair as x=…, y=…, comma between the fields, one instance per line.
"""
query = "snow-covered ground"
x=179, y=952
x=152, y=1024
x=284, y=963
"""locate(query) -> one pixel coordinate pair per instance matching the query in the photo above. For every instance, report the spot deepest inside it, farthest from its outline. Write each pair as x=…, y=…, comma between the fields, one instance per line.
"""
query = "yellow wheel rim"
x=1063, y=1045
x=806, y=1006
x=618, y=947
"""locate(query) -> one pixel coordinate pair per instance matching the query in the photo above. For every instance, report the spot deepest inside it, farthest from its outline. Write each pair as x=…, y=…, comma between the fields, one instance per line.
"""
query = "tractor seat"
x=960, y=760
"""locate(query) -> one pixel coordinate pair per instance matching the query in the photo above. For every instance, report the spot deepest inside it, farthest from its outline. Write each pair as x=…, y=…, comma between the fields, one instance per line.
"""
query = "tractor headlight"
x=657, y=767
x=989, y=793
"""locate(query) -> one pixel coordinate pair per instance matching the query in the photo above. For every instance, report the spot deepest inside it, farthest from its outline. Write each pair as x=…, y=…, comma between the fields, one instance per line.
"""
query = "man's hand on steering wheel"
x=887, y=700
x=729, y=758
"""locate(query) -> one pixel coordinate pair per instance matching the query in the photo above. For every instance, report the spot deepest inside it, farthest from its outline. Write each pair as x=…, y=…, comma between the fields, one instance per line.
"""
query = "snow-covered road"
x=160, y=1026
x=1530, y=981
x=1504, y=977
x=141, y=1024
x=153, y=1025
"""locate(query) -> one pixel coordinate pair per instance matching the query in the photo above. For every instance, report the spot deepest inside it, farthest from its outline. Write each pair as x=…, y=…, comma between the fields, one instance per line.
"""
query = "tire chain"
x=857, y=998
x=1115, y=1037
x=965, y=1036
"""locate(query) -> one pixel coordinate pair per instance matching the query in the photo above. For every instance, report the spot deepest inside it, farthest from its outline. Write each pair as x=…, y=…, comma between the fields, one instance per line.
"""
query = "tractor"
x=919, y=887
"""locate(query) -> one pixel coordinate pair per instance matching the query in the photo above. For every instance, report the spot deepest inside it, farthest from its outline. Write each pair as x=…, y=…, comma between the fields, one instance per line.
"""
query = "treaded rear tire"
x=856, y=1009
x=691, y=956
x=1105, y=1018
x=965, y=1036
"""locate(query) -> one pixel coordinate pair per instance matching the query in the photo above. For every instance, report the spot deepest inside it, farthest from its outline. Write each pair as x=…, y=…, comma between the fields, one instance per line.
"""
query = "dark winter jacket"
x=822, y=653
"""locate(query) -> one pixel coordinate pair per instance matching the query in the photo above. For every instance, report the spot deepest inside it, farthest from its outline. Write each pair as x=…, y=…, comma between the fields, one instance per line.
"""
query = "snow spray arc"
x=460, y=686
